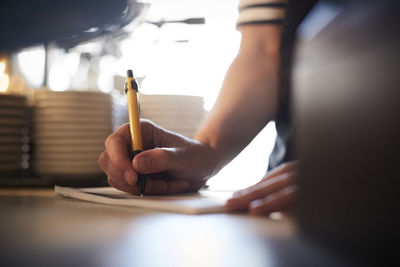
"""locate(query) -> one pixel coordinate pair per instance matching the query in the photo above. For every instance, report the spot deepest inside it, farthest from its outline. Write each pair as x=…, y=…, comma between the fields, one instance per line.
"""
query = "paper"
x=198, y=203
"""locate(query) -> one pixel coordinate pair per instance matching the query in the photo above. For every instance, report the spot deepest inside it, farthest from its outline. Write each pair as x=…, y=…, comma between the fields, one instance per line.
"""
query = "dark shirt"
x=296, y=11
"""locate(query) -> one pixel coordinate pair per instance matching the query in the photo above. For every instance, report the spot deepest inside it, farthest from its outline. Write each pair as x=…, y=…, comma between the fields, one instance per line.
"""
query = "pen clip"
x=134, y=85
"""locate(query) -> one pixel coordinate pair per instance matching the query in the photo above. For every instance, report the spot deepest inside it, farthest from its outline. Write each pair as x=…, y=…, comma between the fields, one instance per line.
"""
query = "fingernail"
x=238, y=194
x=144, y=164
x=129, y=177
x=256, y=203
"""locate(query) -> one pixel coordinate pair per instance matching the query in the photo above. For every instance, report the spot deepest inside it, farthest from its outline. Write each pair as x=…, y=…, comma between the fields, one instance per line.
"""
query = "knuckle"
x=109, y=140
x=112, y=183
x=123, y=128
x=113, y=140
x=289, y=165
x=119, y=165
x=162, y=153
x=163, y=159
x=147, y=127
x=146, y=122
x=102, y=160
x=286, y=165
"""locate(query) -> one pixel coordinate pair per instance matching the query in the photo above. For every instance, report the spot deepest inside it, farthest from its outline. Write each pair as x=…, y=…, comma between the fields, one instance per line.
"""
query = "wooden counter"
x=39, y=228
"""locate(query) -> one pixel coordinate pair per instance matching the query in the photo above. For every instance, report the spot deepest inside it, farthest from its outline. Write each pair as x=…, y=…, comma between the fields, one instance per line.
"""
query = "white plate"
x=183, y=129
x=92, y=162
x=171, y=106
x=12, y=100
x=68, y=149
x=70, y=134
x=73, y=105
x=49, y=126
x=10, y=157
x=62, y=111
x=12, y=153
x=13, y=112
x=170, y=99
x=70, y=141
x=72, y=95
x=78, y=139
x=13, y=122
x=10, y=139
x=10, y=148
x=67, y=156
x=67, y=170
x=176, y=124
x=172, y=113
x=11, y=166
x=81, y=119
x=11, y=130
x=180, y=119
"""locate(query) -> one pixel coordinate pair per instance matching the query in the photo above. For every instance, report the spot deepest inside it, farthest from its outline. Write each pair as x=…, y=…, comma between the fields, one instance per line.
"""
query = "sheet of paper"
x=199, y=203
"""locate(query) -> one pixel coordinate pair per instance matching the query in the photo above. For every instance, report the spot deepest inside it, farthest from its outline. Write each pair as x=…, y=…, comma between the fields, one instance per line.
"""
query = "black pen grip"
x=141, y=182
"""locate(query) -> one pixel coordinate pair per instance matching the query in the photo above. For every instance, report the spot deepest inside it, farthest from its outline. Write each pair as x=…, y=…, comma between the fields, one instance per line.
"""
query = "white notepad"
x=199, y=203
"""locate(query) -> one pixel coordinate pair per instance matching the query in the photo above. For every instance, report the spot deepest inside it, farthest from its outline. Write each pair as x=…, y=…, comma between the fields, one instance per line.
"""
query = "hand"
x=172, y=163
x=275, y=192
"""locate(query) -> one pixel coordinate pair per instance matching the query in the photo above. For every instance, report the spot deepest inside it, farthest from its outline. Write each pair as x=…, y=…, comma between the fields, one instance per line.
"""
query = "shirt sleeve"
x=261, y=12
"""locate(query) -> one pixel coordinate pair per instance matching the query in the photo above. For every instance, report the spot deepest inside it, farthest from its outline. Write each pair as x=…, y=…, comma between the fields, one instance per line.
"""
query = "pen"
x=131, y=90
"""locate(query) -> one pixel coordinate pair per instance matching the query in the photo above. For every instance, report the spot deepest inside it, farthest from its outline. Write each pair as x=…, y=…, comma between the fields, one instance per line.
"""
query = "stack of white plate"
x=179, y=113
x=70, y=130
x=13, y=130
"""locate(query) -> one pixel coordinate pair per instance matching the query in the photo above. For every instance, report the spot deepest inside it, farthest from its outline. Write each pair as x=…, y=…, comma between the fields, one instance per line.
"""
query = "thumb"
x=155, y=160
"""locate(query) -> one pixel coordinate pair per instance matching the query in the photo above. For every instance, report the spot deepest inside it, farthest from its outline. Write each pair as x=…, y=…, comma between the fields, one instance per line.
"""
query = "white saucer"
x=11, y=166
x=12, y=121
x=170, y=107
x=11, y=130
x=73, y=105
x=63, y=111
x=44, y=126
x=10, y=157
x=75, y=119
x=76, y=149
x=72, y=95
x=175, y=114
x=41, y=133
x=70, y=141
x=12, y=100
x=67, y=162
x=67, y=156
x=177, y=99
x=13, y=112
x=176, y=124
x=67, y=170
x=10, y=139
x=10, y=148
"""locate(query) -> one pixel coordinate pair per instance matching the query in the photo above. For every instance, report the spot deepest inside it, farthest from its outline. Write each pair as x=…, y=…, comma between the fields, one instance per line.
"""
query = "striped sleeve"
x=261, y=11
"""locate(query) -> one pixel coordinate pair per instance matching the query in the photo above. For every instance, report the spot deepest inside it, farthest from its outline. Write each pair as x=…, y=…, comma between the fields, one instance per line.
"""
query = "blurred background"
x=62, y=76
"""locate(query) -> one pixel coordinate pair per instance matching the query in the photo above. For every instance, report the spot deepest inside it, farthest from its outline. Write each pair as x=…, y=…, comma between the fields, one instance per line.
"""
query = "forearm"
x=247, y=101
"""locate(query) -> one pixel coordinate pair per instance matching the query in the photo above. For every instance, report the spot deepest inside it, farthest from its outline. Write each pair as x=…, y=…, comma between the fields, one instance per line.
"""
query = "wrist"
x=211, y=158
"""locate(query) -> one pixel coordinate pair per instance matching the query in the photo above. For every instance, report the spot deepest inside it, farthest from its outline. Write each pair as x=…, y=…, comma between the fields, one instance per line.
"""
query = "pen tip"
x=129, y=74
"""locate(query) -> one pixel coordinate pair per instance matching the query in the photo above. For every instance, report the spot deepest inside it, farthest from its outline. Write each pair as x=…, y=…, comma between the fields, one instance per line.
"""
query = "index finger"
x=117, y=146
x=241, y=199
x=281, y=169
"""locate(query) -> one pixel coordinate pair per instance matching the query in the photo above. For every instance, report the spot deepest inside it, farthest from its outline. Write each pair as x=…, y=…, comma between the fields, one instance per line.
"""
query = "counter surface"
x=39, y=228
